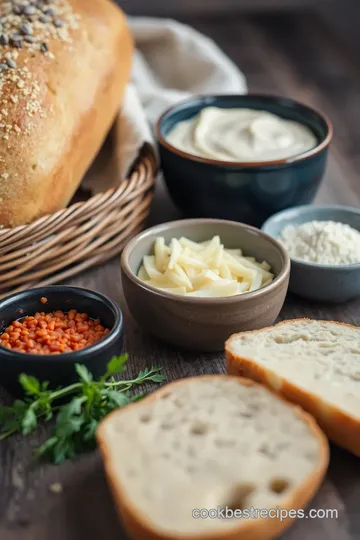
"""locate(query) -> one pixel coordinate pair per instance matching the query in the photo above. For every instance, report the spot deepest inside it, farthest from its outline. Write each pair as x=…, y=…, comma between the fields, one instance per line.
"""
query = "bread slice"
x=315, y=364
x=209, y=442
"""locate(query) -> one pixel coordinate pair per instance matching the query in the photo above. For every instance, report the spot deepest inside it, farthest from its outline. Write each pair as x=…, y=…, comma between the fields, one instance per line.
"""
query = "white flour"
x=323, y=242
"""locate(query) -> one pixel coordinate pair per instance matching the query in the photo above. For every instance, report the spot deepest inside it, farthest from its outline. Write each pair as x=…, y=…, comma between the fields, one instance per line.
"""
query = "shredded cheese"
x=204, y=269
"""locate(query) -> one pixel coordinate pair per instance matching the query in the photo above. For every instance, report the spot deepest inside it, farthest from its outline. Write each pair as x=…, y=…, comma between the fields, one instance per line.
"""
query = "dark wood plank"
x=343, y=17
x=269, y=50
x=177, y=8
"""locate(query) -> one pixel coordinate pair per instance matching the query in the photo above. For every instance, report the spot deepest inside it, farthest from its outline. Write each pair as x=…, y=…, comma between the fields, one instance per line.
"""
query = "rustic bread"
x=315, y=364
x=64, y=65
x=206, y=442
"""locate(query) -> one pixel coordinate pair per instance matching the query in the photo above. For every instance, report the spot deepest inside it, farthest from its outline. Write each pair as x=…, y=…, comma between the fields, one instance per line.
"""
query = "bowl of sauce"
x=242, y=157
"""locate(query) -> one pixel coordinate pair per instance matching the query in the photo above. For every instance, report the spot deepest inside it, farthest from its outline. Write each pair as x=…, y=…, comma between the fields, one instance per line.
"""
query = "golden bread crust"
x=58, y=102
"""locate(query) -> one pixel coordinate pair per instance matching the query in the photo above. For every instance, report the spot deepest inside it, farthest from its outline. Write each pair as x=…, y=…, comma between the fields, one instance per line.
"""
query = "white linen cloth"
x=172, y=61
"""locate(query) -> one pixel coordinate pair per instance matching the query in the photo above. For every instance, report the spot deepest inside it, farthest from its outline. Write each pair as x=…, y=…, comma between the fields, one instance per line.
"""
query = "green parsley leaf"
x=19, y=406
x=143, y=373
x=29, y=421
x=150, y=375
x=57, y=449
x=17, y=410
x=73, y=408
x=117, y=399
x=30, y=384
x=70, y=418
x=90, y=429
x=44, y=386
x=157, y=378
x=84, y=373
x=137, y=398
x=115, y=366
x=46, y=447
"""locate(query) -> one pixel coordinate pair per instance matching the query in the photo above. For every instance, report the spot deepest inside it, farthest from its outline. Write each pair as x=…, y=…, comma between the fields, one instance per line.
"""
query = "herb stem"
x=127, y=384
x=65, y=391
x=14, y=430
x=7, y=434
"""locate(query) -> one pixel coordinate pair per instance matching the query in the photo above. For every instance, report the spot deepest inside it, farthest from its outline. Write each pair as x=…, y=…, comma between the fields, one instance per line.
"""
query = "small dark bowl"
x=247, y=192
x=59, y=369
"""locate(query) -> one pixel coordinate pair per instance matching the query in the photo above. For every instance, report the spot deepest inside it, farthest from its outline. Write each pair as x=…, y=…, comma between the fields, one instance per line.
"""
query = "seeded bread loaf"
x=315, y=364
x=64, y=65
x=209, y=442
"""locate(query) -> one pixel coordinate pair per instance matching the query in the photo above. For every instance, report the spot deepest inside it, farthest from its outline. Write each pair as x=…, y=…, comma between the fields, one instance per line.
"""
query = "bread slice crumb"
x=206, y=442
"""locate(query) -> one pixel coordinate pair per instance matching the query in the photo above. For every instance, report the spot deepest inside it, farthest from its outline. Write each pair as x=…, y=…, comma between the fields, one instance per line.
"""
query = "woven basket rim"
x=85, y=234
x=147, y=152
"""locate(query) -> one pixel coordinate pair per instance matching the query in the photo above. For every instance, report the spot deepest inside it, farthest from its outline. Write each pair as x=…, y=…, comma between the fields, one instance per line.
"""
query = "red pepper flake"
x=53, y=333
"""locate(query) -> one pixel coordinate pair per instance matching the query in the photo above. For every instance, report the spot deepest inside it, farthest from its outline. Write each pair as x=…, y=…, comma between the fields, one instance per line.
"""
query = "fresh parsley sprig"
x=77, y=419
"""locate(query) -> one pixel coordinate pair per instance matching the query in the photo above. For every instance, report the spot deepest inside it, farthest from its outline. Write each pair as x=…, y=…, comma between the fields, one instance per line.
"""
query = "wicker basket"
x=58, y=246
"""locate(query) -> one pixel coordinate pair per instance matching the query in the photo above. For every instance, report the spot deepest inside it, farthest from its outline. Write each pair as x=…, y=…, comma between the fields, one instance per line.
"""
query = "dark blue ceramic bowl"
x=247, y=192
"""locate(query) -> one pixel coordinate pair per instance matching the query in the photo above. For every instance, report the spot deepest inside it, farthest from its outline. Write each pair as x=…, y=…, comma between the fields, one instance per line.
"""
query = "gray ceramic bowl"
x=321, y=282
x=204, y=323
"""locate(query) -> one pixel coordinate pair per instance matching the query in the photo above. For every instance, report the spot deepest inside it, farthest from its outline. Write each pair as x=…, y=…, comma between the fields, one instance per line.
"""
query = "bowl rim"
x=278, y=280
x=116, y=330
x=244, y=164
x=303, y=210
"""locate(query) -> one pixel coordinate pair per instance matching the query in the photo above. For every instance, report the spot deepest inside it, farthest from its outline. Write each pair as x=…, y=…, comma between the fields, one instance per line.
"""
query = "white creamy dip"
x=241, y=135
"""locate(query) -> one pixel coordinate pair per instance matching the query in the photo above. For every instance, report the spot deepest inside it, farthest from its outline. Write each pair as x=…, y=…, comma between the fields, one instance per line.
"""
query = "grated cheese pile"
x=322, y=242
x=205, y=269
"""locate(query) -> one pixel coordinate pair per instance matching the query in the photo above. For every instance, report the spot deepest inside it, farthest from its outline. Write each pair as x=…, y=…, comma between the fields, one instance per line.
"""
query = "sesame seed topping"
x=28, y=26
x=18, y=9
x=11, y=63
x=4, y=39
x=26, y=29
x=50, y=11
x=29, y=10
x=16, y=41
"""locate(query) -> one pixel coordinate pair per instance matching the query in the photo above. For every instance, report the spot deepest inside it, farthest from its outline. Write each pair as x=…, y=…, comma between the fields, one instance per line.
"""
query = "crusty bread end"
x=315, y=364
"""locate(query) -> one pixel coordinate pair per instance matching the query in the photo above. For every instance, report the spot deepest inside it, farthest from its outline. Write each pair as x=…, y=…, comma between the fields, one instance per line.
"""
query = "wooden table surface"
x=284, y=54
